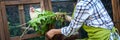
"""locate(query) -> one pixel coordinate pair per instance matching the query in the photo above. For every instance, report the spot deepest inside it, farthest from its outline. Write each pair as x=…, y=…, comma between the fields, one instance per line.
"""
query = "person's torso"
x=99, y=16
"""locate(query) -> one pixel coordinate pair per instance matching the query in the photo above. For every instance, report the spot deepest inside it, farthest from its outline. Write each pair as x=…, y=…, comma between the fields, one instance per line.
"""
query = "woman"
x=92, y=16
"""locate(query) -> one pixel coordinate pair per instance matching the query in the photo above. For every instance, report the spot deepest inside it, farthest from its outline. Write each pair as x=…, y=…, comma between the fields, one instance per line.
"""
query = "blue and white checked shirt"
x=91, y=13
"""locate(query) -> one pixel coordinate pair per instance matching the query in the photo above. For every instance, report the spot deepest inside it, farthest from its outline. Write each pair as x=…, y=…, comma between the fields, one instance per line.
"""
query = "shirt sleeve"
x=80, y=15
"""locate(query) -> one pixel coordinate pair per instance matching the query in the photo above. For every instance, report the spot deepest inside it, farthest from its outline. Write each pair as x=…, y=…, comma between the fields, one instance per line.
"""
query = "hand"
x=68, y=18
x=51, y=33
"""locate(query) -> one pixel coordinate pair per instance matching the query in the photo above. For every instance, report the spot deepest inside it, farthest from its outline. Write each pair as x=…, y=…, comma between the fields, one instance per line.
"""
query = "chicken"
x=32, y=12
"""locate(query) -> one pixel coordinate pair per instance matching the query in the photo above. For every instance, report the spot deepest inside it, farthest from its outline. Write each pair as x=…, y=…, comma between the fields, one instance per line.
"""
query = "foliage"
x=44, y=19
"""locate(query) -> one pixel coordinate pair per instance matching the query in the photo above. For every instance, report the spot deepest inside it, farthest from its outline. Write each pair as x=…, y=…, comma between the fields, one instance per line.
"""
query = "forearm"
x=57, y=31
x=70, y=30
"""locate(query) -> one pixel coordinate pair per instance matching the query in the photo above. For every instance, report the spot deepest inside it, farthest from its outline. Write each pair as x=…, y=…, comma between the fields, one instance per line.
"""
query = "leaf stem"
x=25, y=31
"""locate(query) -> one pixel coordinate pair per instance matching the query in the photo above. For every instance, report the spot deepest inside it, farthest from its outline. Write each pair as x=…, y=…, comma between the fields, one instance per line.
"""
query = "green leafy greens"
x=44, y=18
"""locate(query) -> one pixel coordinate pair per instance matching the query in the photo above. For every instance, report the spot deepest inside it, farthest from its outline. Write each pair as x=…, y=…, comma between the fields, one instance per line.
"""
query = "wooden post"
x=2, y=35
x=116, y=13
x=46, y=5
x=42, y=5
x=6, y=34
x=50, y=5
x=21, y=14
